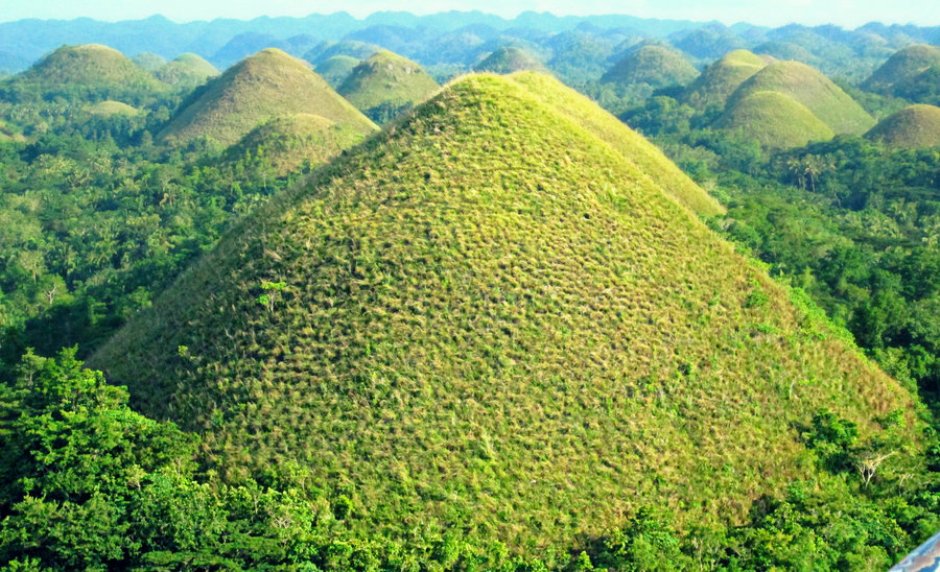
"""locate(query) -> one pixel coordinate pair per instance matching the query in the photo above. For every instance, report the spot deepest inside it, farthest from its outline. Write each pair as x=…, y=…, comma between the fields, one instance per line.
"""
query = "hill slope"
x=286, y=143
x=914, y=126
x=336, y=69
x=776, y=120
x=722, y=78
x=813, y=90
x=652, y=65
x=509, y=59
x=488, y=318
x=88, y=71
x=386, y=83
x=186, y=72
x=261, y=87
x=902, y=68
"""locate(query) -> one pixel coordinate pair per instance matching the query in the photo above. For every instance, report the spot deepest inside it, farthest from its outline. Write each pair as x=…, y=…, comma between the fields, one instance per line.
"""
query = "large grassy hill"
x=266, y=85
x=386, y=83
x=914, y=126
x=903, y=68
x=288, y=142
x=89, y=71
x=813, y=90
x=490, y=317
x=722, y=78
x=186, y=72
x=776, y=120
x=653, y=65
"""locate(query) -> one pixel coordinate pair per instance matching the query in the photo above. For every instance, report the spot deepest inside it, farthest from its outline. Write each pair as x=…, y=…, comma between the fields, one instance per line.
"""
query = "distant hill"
x=266, y=85
x=88, y=72
x=903, y=68
x=385, y=84
x=112, y=108
x=652, y=65
x=709, y=42
x=287, y=143
x=776, y=120
x=326, y=50
x=721, y=79
x=336, y=69
x=186, y=72
x=149, y=62
x=509, y=59
x=914, y=127
x=810, y=88
x=492, y=319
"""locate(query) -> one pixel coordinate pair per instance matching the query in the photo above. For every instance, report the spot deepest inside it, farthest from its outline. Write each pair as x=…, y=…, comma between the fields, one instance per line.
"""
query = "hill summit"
x=266, y=85
x=186, y=72
x=915, y=126
x=491, y=317
x=652, y=65
x=509, y=59
x=89, y=71
x=902, y=70
x=385, y=84
x=722, y=78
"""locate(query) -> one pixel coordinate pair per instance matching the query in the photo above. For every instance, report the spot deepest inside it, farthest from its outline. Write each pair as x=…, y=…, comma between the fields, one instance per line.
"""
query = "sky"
x=848, y=13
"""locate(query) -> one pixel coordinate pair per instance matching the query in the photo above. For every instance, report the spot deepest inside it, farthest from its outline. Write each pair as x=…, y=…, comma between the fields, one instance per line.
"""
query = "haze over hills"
x=493, y=317
x=266, y=85
x=385, y=84
x=917, y=126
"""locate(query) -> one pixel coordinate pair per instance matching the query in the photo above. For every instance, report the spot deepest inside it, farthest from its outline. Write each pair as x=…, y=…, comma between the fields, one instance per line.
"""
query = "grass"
x=490, y=317
x=509, y=59
x=776, y=120
x=903, y=67
x=915, y=126
x=722, y=78
x=188, y=71
x=387, y=80
x=336, y=69
x=813, y=90
x=111, y=108
x=287, y=143
x=266, y=85
x=653, y=65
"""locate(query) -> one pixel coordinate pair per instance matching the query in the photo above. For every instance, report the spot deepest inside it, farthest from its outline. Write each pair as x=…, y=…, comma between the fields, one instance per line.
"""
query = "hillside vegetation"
x=186, y=72
x=902, y=70
x=775, y=120
x=913, y=127
x=263, y=86
x=813, y=90
x=386, y=84
x=722, y=78
x=653, y=65
x=111, y=108
x=491, y=318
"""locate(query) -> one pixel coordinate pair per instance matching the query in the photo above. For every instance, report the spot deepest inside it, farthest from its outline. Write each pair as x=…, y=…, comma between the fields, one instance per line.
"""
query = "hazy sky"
x=767, y=12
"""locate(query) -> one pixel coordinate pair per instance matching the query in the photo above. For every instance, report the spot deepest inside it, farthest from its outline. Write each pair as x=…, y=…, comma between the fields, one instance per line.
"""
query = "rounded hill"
x=810, y=88
x=653, y=65
x=491, y=318
x=913, y=127
x=89, y=71
x=509, y=59
x=111, y=108
x=776, y=120
x=289, y=142
x=903, y=68
x=336, y=69
x=186, y=72
x=266, y=85
x=385, y=84
x=719, y=80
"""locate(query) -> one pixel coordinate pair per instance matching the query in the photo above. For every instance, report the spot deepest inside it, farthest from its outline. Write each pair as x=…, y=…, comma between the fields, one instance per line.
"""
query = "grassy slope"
x=387, y=78
x=263, y=86
x=287, y=142
x=490, y=317
x=812, y=89
x=336, y=69
x=776, y=120
x=111, y=108
x=187, y=71
x=722, y=78
x=657, y=66
x=915, y=126
x=89, y=67
x=509, y=59
x=902, y=67
x=634, y=148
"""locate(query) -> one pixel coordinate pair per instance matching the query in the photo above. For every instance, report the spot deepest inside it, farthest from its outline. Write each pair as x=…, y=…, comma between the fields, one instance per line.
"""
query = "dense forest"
x=107, y=215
